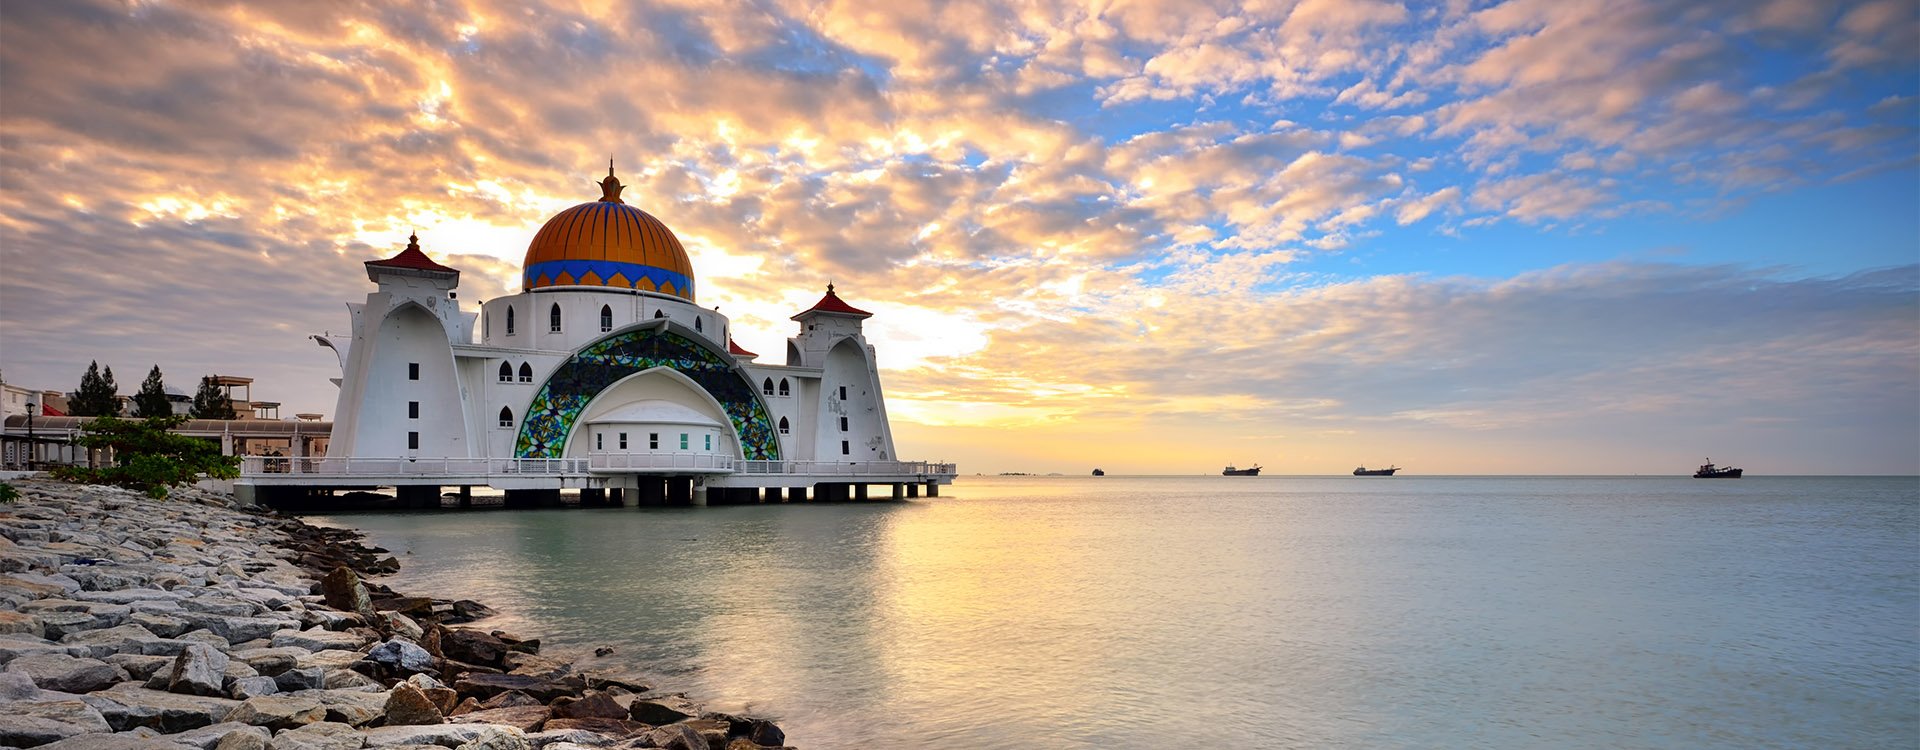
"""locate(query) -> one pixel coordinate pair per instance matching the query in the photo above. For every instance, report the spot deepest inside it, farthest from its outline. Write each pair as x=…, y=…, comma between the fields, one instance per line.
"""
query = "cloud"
x=1072, y=182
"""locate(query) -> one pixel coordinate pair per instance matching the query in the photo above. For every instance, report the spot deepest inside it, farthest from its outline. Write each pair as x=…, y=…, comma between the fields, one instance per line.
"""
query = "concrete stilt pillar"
x=899, y=491
x=913, y=489
x=860, y=492
x=466, y=496
x=617, y=497
x=699, y=499
x=933, y=489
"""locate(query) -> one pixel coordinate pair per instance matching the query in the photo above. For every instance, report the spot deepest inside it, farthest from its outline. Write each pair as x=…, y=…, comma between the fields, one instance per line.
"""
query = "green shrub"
x=7, y=493
x=148, y=456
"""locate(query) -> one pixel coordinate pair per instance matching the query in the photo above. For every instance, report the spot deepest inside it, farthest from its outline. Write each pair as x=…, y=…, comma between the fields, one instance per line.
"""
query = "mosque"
x=603, y=374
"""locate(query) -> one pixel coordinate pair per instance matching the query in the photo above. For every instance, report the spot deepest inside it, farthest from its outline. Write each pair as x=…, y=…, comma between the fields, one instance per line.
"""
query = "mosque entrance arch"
x=555, y=412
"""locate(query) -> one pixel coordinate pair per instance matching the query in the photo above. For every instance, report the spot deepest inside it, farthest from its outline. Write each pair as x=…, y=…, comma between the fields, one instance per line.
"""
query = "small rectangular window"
x=599, y=441
x=623, y=441
x=653, y=441
x=413, y=370
x=709, y=442
x=844, y=450
x=413, y=441
x=683, y=441
x=843, y=424
x=413, y=410
x=843, y=393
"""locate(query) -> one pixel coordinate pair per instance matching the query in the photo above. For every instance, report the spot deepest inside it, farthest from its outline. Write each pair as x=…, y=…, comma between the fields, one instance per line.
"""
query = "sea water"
x=1142, y=612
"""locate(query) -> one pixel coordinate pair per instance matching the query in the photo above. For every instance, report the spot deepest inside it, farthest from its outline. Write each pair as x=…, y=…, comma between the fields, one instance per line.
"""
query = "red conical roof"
x=735, y=350
x=412, y=258
x=832, y=304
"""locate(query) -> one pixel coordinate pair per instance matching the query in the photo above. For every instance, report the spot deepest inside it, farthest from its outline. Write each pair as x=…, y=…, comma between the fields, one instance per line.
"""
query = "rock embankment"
x=190, y=624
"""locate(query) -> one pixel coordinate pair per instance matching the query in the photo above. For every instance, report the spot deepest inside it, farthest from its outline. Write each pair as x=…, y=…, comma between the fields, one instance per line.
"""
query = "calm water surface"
x=1124, y=612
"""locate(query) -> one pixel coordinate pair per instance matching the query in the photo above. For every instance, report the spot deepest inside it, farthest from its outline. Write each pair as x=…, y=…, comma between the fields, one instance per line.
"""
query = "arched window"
x=486, y=326
x=509, y=321
x=767, y=387
x=506, y=372
x=506, y=416
x=659, y=313
x=696, y=324
x=606, y=318
x=783, y=387
x=553, y=318
x=526, y=373
x=783, y=425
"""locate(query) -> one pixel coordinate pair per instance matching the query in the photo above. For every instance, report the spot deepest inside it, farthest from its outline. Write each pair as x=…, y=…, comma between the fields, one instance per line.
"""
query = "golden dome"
x=608, y=243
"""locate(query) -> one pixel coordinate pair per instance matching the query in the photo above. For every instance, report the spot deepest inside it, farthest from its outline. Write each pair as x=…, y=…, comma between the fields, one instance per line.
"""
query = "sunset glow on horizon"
x=1522, y=237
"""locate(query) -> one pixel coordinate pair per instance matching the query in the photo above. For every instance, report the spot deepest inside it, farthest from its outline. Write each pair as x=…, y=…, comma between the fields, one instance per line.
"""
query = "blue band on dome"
x=607, y=269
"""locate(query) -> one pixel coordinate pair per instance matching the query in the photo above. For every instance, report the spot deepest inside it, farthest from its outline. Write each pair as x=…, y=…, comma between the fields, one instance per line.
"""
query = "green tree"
x=210, y=402
x=148, y=456
x=97, y=396
x=152, y=401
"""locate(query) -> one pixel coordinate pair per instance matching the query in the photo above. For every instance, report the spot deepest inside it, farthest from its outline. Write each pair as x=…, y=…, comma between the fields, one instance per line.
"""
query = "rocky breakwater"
x=127, y=622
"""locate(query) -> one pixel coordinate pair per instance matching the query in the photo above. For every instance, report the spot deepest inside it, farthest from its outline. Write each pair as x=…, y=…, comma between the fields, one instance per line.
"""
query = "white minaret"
x=399, y=393
x=852, y=415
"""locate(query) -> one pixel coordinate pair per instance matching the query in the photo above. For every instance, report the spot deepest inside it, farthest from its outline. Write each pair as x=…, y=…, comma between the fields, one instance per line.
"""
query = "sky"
x=1157, y=237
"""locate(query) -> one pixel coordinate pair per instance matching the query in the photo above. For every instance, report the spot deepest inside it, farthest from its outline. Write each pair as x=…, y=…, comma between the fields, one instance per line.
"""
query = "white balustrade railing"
x=268, y=466
x=846, y=468
x=423, y=466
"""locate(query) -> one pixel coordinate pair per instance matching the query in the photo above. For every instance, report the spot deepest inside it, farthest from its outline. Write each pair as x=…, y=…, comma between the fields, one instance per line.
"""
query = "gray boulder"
x=209, y=737
x=444, y=735
x=311, y=678
x=251, y=687
x=401, y=656
x=30, y=723
x=270, y=661
x=116, y=742
x=199, y=670
x=127, y=706
x=278, y=711
x=68, y=674
x=316, y=639
x=322, y=735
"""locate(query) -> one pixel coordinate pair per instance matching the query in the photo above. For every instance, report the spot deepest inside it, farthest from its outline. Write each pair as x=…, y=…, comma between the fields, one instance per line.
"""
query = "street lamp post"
x=33, y=446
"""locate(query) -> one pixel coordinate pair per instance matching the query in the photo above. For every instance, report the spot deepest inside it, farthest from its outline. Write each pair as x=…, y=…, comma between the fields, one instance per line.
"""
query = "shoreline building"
x=602, y=374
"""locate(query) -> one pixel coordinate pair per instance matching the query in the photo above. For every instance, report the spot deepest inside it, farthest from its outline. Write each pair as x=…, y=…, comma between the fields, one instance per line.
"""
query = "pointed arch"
x=506, y=416
x=606, y=318
x=575, y=381
x=767, y=387
x=506, y=372
x=509, y=320
x=783, y=425
x=783, y=387
x=696, y=323
x=526, y=373
x=659, y=313
x=553, y=318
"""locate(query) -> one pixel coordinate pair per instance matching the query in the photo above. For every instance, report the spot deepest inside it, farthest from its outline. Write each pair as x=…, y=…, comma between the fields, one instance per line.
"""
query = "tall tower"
x=399, y=394
x=852, y=423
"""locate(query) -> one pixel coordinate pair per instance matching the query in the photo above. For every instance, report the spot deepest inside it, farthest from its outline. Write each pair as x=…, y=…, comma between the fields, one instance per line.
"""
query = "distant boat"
x=1099, y=473
x=1366, y=472
x=1233, y=472
x=1709, y=471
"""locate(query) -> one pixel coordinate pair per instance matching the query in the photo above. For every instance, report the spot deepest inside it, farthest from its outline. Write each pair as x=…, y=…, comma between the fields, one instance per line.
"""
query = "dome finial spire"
x=413, y=240
x=610, y=187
